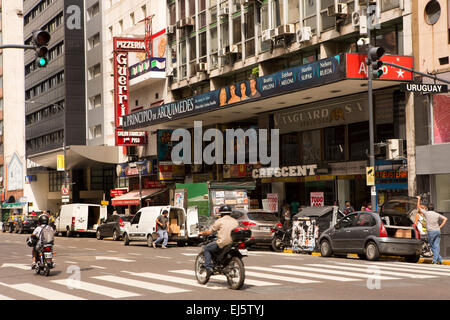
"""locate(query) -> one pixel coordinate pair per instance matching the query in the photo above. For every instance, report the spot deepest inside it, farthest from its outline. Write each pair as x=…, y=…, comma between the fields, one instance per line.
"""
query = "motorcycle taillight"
x=241, y=245
x=122, y=225
x=47, y=249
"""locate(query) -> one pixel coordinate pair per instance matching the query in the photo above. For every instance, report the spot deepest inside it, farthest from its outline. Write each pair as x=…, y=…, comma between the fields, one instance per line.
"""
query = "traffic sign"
x=65, y=200
x=65, y=190
x=424, y=88
x=370, y=176
x=60, y=162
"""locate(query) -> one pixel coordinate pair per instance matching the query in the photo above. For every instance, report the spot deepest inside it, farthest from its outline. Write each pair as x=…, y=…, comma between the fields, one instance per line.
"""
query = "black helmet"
x=43, y=219
x=225, y=210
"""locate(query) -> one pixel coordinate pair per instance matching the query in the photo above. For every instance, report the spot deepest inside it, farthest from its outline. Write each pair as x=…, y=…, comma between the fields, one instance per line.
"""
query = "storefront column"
x=411, y=144
x=343, y=191
x=278, y=188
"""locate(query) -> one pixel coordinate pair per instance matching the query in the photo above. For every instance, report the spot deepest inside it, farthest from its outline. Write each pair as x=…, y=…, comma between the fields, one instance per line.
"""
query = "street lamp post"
x=140, y=167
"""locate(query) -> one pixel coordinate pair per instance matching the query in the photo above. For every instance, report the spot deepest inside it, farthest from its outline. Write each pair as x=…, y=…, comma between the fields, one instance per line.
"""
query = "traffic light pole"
x=17, y=46
x=373, y=194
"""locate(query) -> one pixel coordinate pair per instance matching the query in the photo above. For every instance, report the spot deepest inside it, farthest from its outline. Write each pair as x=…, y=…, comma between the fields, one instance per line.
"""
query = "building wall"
x=13, y=97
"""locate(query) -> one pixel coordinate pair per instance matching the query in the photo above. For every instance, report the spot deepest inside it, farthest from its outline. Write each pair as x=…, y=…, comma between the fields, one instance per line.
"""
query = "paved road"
x=91, y=269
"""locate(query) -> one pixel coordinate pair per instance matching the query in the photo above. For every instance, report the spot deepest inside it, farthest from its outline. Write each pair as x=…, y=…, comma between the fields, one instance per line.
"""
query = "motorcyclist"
x=42, y=224
x=223, y=227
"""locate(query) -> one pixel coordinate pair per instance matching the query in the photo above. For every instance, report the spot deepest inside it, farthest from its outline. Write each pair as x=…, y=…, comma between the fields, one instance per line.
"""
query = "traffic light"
x=375, y=54
x=40, y=40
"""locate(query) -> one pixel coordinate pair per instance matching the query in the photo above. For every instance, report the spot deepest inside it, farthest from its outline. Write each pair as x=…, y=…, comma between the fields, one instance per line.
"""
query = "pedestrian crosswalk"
x=127, y=284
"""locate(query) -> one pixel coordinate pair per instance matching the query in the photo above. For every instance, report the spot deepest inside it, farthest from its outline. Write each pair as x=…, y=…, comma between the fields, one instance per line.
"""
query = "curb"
x=394, y=258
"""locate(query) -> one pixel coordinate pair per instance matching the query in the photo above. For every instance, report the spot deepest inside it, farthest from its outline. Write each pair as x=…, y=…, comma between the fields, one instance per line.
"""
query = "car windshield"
x=262, y=216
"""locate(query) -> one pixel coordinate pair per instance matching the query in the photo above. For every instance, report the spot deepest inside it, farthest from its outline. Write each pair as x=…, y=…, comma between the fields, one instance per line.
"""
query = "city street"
x=87, y=268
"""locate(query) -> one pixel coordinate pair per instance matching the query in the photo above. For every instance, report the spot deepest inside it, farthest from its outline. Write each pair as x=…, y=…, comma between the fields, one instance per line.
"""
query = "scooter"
x=281, y=238
x=227, y=262
x=44, y=261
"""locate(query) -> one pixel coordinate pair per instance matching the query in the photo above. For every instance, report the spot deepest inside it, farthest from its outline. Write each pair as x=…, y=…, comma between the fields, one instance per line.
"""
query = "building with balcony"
x=292, y=65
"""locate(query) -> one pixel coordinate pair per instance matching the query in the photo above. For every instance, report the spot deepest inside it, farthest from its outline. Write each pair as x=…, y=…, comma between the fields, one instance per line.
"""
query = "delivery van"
x=183, y=225
x=79, y=218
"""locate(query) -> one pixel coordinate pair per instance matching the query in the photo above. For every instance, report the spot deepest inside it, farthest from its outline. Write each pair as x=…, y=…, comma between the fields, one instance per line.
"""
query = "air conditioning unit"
x=169, y=72
x=171, y=29
x=223, y=52
x=234, y=48
x=266, y=35
x=338, y=9
x=283, y=30
x=201, y=67
x=304, y=34
x=394, y=149
x=185, y=22
x=235, y=8
x=223, y=12
x=359, y=21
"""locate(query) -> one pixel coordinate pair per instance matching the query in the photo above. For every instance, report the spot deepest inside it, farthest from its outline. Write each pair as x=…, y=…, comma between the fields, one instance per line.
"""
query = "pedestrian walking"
x=286, y=216
x=162, y=225
x=348, y=208
x=369, y=207
x=432, y=219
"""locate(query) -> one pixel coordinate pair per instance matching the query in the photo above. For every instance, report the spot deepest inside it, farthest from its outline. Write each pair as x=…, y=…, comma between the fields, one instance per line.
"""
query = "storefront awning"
x=14, y=205
x=232, y=185
x=132, y=197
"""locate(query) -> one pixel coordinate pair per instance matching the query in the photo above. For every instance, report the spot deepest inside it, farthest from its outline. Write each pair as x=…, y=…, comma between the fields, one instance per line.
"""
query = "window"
x=144, y=11
x=55, y=181
x=334, y=142
x=120, y=26
x=358, y=140
x=96, y=179
x=309, y=14
x=293, y=11
x=348, y=221
x=94, y=41
x=277, y=13
x=95, y=132
x=93, y=11
x=289, y=145
x=94, y=71
x=365, y=220
x=95, y=102
x=132, y=21
x=311, y=147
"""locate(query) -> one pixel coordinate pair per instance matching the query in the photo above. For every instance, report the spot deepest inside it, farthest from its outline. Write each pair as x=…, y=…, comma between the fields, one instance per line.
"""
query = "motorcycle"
x=281, y=238
x=227, y=261
x=44, y=261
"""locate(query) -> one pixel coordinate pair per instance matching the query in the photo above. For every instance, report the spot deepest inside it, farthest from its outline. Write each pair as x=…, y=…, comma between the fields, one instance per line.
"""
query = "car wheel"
x=68, y=233
x=372, y=252
x=10, y=229
x=3, y=228
x=99, y=235
x=412, y=259
x=115, y=235
x=126, y=240
x=325, y=248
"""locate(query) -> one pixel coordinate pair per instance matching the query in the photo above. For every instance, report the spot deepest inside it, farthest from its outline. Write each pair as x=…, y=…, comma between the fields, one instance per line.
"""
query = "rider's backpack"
x=47, y=235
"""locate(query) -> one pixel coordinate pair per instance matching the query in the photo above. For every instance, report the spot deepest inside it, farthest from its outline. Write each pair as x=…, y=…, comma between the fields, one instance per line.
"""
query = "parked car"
x=10, y=225
x=113, y=226
x=27, y=223
x=260, y=222
x=371, y=235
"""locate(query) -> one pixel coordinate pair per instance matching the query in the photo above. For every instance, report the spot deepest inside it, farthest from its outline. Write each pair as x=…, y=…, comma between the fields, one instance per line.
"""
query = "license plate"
x=243, y=252
x=48, y=255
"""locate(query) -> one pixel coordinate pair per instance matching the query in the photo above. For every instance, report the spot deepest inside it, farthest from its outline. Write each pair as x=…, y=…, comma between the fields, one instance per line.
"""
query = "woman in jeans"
x=433, y=228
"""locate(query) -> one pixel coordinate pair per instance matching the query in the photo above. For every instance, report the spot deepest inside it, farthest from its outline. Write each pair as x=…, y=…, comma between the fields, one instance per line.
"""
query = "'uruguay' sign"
x=424, y=88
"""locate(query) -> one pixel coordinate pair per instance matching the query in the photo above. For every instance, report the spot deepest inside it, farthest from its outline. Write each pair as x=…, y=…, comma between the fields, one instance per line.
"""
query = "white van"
x=79, y=218
x=143, y=225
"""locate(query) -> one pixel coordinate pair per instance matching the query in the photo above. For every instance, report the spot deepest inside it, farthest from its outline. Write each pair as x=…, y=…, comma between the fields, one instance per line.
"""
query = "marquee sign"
x=121, y=75
x=357, y=68
x=291, y=171
x=131, y=138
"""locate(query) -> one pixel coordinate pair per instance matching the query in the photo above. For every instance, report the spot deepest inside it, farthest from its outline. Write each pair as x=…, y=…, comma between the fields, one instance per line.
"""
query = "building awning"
x=14, y=205
x=233, y=185
x=132, y=197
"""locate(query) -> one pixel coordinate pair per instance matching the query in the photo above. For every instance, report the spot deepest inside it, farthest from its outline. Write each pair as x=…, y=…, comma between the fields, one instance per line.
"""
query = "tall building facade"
x=297, y=66
x=12, y=127
x=431, y=38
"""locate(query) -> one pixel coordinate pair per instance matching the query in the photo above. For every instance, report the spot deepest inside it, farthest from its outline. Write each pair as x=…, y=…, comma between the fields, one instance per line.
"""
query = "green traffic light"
x=378, y=73
x=42, y=62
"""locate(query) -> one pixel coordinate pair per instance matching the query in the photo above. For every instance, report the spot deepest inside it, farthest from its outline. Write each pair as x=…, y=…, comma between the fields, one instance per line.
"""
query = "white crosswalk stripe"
x=252, y=282
x=141, y=284
x=322, y=269
x=4, y=298
x=281, y=278
x=303, y=274
x=97, y=289
x=424, y=266
x=409, y=268
x=42, y=292
x=189, y=282
x=357, y=267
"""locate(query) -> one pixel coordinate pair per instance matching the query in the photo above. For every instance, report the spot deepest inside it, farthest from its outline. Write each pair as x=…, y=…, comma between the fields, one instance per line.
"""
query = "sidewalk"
x=354, y=256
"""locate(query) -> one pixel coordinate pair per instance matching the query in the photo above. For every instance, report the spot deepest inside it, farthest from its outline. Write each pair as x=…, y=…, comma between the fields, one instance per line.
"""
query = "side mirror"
x=102, y=220
x=337, y=226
